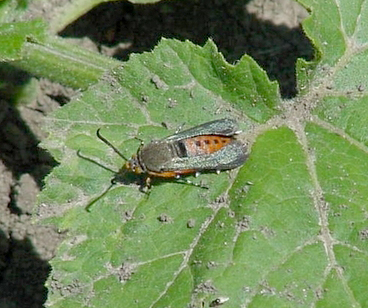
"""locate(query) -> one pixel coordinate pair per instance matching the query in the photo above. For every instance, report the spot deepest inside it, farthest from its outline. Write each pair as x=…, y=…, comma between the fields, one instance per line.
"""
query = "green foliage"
x=155, y=249
x=287, y=229
x=27, y=45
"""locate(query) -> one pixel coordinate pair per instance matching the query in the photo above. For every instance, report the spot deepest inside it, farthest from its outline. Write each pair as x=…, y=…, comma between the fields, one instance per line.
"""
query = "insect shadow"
x=125, y=176
x=119, y=177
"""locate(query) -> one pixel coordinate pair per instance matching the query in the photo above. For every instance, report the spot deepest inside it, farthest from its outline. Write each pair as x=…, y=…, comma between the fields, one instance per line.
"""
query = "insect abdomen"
x=204, y=145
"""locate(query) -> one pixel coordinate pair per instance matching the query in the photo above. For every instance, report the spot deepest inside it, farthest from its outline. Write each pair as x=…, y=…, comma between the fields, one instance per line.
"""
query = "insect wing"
x=222, y=127
x=231, y=156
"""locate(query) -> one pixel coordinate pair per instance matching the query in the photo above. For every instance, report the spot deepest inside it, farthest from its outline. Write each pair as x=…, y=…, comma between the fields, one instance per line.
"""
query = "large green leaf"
x=287, y=229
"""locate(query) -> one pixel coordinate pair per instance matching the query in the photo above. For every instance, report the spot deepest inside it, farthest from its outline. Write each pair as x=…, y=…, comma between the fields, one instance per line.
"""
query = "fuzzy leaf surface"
x=287, y=229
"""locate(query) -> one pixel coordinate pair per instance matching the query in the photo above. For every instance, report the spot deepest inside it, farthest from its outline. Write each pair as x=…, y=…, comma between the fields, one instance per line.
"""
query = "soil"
x=267, y=30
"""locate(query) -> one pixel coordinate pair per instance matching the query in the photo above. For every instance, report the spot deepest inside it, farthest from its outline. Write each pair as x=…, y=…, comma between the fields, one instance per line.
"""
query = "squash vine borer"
x=211, y=146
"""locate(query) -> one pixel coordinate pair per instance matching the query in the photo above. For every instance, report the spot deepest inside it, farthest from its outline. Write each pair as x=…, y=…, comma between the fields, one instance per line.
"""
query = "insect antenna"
x=104, y=140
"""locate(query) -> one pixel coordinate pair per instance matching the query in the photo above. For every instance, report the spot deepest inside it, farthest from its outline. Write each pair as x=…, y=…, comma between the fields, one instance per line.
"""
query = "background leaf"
x=27, y=45
x=288, y=229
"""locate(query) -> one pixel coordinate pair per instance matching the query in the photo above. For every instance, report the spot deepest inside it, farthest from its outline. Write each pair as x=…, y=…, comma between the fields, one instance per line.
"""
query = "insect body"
x=211, y=146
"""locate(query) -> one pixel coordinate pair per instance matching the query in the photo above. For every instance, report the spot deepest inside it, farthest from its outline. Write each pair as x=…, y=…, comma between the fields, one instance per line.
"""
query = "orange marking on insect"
x=206, y=144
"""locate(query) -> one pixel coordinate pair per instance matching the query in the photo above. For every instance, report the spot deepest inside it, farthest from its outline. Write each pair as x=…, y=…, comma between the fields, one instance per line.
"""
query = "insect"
x=211, y=146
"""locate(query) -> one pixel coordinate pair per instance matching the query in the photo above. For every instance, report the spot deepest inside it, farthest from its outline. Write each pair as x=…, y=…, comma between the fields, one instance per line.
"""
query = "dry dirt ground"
x=267, y=30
